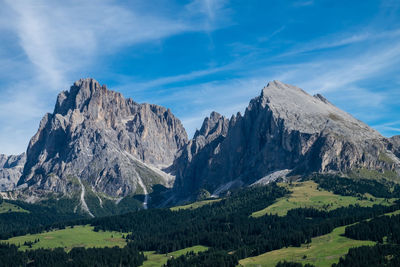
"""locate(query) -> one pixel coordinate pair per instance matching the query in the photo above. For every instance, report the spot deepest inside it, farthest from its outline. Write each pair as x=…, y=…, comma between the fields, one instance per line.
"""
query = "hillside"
x=226, y=227
x=107, y=154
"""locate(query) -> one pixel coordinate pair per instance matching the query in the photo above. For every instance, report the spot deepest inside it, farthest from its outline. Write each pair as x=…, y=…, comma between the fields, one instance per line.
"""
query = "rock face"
x=394, y=145
x=10, y=170
x=98, y=139
x=283, y=129
x=195, y=155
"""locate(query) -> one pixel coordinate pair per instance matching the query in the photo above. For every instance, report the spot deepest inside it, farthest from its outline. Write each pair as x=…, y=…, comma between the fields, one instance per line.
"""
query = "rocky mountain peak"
x=10, y=170
x=284, y=128
x=311, y=114
x=113, y=144
x=214, y=125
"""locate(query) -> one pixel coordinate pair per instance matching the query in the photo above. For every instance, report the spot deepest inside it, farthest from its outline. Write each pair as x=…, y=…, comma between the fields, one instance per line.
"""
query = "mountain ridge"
x=11, y=168
x=284, y=128
x=98, y=142
x=114, y=145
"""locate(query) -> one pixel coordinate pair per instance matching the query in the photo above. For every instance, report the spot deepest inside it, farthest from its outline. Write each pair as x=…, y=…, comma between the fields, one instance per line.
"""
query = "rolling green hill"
x=308, y=195
x=323, y=251
x=78, y=236
x=9, y=207
x=196, y=204
x=158, y=260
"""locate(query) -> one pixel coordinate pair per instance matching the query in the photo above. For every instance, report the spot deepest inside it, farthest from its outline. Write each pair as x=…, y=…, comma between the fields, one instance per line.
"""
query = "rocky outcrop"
x=10, y=170
x=98, y=139
x=394, y=145
x=197, y=153
x=283, y=129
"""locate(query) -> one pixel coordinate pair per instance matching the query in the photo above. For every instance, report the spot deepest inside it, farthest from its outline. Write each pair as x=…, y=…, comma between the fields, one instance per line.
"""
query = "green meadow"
x=158, y=260
x=78, y=236
x=322, y=251
x=84, y=236
x=307, y=194
x=8, y=207
x=196, y=205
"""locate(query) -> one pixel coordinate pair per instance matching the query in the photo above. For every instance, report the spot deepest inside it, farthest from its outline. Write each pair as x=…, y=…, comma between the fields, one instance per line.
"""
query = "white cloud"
x=48, y=44
x=344, y=80
x=342, y=39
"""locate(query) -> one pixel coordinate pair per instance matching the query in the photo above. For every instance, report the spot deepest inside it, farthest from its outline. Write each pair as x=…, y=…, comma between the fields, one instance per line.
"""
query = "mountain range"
x=97, y=142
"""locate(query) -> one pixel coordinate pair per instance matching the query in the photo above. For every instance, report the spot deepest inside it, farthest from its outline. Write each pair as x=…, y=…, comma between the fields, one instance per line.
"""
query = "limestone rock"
x=97, y=138
x=282, y=129
x=10, y=170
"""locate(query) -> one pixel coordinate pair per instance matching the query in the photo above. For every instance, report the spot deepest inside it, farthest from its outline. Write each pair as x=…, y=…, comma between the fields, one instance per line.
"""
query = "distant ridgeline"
x=102, y=155
x=108, y=154
x=226, y=227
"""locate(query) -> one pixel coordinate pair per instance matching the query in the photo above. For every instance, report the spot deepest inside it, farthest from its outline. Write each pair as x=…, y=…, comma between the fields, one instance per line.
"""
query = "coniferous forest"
x=226, y=227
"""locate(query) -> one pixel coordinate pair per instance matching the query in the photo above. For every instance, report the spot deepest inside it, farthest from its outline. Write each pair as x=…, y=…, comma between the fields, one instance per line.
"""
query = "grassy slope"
x=79, y=236
x=196, y=205
x=374, y=174
x=158, y=260
x=306, y=194
x=8, y=207
x=323, y=251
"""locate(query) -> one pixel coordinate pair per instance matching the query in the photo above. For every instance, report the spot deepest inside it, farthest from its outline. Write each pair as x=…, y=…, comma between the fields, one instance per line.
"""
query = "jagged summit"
x=98, y=142
x=212, y=125
x=114, y=145
x=284, y=128
x=10, y=170
x=91, y=98
x=311, y=114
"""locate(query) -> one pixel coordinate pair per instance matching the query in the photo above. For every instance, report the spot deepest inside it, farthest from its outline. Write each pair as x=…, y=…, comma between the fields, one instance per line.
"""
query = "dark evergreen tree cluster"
x=39, y=218
x=376, y=229
x=128, y=256
x=376, y=256
x=292, y=264
x=357, y=187
x=210, y=258
x=227, y=225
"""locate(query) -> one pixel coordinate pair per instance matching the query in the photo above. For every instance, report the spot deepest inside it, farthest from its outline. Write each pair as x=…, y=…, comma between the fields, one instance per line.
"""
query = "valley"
x=106, y=181
x=322, y=245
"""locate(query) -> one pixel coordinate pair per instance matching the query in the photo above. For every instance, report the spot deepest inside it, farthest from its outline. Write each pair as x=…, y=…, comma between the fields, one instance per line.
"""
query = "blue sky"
x=197, y=56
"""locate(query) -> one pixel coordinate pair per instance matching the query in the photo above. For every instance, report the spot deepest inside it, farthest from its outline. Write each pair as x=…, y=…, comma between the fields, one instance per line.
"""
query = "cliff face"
x=284, y=128
x=97, y=138
x=98, y=141
x=394, y=145
x=10, y=170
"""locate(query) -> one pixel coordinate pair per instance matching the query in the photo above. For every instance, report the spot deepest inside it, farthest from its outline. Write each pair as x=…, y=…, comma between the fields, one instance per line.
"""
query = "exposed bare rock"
x=394, y=145
x=272, y=177
x=197, y=153
x=283, y=128
x=10, y=170
x=97, y=138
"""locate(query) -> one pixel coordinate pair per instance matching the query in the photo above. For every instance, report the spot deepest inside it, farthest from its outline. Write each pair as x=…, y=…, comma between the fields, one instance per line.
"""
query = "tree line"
x=376, y=229
x=10, y=256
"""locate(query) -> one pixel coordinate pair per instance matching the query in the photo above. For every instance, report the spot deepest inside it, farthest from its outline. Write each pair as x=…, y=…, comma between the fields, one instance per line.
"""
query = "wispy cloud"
x=216, y=12
x=343, y=79
x=303, y=3
x=342, y=39
x=48, y=44
x=160, y=82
